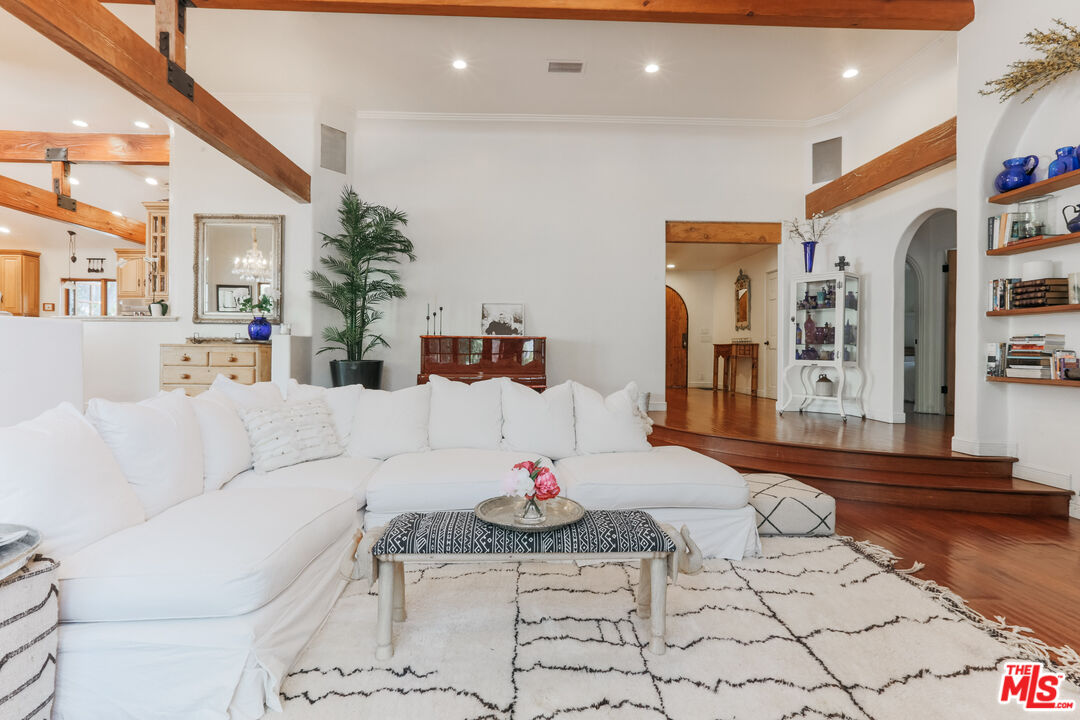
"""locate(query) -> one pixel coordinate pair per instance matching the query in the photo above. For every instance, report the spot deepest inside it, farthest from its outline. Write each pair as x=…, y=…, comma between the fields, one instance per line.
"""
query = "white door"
x=772, y=368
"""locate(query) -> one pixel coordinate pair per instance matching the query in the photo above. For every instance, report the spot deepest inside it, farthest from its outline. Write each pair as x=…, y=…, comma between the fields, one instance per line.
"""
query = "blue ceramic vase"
x=1066, y=162
x=1018, y=173
x=808, y=248
x=259, y=329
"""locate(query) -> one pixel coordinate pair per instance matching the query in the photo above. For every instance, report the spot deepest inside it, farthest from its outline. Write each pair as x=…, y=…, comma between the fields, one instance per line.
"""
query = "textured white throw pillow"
x=609, y=424
x=58, y=477
x=341, y=401
x=158, y=445
x=464, y=415
x=538, y=422
x=390, y=423
x=243, y=397
x=289, y=434
x=226, y=449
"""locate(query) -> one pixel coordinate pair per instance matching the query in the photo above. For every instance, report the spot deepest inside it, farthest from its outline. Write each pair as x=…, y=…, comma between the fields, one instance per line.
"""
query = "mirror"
x=236, y=256
x=742, y=301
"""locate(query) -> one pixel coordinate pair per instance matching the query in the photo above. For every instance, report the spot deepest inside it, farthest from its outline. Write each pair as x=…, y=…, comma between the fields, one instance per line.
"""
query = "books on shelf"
x=1009, y=293
x=1037, y=356
x=1074, y=288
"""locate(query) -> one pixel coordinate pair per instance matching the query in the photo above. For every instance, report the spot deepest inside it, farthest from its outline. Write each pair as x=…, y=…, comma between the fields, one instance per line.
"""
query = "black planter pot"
x=356, y=372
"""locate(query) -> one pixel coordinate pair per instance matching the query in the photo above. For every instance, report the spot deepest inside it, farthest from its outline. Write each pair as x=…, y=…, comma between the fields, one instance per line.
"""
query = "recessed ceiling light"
x=5, y=230
x=671, y=266
x=151, y=181
x=73, y=181
x=850, y=73
x=80, y=123
x=117, y=213
x=460, y=64
x=142, y=124
x=652, y=67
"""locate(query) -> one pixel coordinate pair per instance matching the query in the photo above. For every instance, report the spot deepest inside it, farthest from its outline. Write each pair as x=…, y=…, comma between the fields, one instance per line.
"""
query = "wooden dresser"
x=470, y=358
x=192, y=368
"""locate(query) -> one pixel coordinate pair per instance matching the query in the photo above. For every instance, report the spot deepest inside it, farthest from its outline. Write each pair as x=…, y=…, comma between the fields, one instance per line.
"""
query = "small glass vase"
x=259, y=329
x=532, y=512
x=808, y=248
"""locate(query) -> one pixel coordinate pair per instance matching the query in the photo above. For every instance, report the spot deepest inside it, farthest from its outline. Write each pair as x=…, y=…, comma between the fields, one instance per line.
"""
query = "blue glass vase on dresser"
x=1018, y=173
x=259, y=329
x=1066, y=162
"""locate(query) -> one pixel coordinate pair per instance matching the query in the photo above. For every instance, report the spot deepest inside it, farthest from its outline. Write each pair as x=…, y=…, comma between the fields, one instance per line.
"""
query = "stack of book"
x=1039, y=293
x=1002, y=230
x=1033, y=356
x=1001, y=291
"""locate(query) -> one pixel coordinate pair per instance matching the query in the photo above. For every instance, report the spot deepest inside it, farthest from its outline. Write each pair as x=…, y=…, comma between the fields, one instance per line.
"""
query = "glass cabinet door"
x=851, y=320
x=815, y=319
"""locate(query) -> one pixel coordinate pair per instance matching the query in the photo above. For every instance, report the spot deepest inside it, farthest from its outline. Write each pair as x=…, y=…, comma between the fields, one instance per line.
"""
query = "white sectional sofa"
x=190, y=581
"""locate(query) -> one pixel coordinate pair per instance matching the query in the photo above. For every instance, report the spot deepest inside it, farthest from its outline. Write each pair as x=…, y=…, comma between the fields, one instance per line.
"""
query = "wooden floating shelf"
x=1036, y=189
x=1035, y=310
x=1036, y=243
x=1033, y=381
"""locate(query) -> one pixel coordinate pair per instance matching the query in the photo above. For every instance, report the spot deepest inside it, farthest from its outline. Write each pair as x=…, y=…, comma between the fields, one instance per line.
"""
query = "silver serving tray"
x=503, y=511
x=14, y=555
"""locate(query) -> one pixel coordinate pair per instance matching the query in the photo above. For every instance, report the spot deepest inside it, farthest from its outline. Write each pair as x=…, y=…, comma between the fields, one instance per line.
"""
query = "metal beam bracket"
x=56, y=154
x=67, y=203
x=180, y=80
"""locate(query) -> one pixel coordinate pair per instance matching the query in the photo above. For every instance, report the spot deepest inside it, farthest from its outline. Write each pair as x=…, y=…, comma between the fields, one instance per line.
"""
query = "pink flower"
x=528, y=466
x=546, y=485
x=517, y=482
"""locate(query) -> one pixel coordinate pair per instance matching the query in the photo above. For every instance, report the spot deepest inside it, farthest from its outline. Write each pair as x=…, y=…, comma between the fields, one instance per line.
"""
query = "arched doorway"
x=678, y=325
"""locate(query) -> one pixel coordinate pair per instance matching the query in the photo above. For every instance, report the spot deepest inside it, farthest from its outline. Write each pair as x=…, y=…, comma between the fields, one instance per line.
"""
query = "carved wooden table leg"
x=399, y=592
x=753, y=375
x=716, y=366
x=644, y=589
x=658, y=644
x=384, y=627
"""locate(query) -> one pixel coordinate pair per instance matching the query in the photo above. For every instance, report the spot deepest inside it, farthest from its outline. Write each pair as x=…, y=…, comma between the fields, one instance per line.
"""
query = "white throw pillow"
x=538, y=422
x=609, y=424
x=341, y=401
x=158, y=445
x=244, y=397
x=59, y=477
x=464, y=415
x=390, y=423
x=226, y=449
x=289, y=434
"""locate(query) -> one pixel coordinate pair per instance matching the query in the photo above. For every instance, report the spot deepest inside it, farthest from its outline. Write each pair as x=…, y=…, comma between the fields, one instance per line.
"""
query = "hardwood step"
x=1021, y=501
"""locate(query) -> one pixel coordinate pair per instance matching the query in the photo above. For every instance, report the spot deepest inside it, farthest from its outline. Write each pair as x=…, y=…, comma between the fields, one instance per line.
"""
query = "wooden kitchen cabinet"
x=20, y=280
x=131, y=278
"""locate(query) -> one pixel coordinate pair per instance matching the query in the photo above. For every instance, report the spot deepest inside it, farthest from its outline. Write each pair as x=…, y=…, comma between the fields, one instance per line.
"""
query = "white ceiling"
x=710, y=256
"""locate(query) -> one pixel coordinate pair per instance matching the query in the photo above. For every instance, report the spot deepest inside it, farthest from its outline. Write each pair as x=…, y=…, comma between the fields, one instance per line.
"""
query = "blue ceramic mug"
x=1018, y=173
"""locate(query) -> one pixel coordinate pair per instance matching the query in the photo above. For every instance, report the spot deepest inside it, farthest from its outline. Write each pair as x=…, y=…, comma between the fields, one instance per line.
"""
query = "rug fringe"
x=1017, y=638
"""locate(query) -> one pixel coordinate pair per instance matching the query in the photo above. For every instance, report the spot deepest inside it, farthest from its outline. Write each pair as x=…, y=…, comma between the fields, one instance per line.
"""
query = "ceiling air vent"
x=565, y=66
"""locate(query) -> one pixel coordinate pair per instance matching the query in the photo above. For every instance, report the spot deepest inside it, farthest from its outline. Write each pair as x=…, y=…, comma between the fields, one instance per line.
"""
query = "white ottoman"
x=29, y=613
x=785, y=506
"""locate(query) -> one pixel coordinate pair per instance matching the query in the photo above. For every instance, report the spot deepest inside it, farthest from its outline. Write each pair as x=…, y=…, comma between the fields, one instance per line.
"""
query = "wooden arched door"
x=677, y=340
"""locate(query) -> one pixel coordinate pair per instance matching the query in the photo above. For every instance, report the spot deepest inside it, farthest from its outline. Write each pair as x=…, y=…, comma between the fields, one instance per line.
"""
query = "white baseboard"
x=702, y=384
x=657, y=405
x=1041, y=475
x=976, y=447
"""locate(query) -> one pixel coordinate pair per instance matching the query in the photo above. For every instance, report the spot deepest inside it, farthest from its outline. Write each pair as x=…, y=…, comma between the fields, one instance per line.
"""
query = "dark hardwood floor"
x=1026, y=569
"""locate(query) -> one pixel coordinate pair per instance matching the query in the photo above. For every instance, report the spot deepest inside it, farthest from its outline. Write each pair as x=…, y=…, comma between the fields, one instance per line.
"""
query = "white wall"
x=566, y=217
x=1036, y=423
x=757, y=266
x=31, y=382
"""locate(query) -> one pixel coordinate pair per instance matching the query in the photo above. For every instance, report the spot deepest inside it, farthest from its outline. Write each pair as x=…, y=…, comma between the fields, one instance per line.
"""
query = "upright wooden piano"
x=470, y=358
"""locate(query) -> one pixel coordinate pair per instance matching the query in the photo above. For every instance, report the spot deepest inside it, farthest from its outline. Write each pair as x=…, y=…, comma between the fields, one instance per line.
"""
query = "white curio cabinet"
x=824, y=338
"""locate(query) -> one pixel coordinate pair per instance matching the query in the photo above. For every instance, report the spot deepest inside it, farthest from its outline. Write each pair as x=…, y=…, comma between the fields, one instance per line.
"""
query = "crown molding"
x=579, y=119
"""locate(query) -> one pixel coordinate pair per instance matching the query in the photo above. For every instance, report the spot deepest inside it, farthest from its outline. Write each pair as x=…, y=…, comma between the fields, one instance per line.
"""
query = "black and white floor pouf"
x=29, y=617
x=786, y=506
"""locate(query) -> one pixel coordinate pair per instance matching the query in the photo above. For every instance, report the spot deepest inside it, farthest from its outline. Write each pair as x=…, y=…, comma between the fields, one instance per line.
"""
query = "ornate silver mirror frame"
x=210, y=290
x=742, y=301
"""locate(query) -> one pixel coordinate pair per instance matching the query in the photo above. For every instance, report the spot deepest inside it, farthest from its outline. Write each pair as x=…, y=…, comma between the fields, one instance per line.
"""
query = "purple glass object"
x=1019, y=172
x=259, y=329
x=808, y=248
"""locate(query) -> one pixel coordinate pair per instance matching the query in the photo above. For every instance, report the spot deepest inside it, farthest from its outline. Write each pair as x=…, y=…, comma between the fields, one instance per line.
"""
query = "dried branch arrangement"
x=812, y=230
x=1060, y=47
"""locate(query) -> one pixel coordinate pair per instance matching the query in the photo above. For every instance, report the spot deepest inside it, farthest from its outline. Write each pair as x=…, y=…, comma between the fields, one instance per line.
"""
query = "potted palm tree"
x=358, y=277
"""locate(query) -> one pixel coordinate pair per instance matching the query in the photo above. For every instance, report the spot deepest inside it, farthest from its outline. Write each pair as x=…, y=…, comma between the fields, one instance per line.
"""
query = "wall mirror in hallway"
x=236, y=257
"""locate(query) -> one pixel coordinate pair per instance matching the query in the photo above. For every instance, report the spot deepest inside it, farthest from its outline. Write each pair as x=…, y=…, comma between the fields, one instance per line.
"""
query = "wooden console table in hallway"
x=731, y=352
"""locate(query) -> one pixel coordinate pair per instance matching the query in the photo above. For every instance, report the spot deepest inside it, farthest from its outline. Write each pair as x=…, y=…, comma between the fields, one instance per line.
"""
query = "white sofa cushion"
x=158, y=445
x=342, y=402
x=663, y=477
x=222, y=554
x=464, y=415
x=264, y=394
x=348, y=474
x=454, y=479
x=538, y=422
x=289, y=434
x=390, y=423
x=226, y=448
x=59, y=477
x=609, y=424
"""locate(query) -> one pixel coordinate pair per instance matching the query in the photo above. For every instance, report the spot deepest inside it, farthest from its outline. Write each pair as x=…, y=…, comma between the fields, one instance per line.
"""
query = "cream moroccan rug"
x=816, y=628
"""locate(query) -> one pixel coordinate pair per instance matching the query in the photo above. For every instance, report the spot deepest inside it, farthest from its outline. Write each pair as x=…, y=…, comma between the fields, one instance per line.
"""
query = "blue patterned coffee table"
x=445, y=537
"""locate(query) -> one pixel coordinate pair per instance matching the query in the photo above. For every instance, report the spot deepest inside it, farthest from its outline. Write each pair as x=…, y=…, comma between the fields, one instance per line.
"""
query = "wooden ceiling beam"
x=932, y=149
x=90, y=32
x=871, y=14
x=61, y=178
x=35, y=201
x=23, y=146
x=747, y=233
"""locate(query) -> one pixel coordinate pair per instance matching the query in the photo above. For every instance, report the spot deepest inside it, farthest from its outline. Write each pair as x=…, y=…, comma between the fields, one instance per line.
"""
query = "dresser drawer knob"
x=185, y=376
x=232, y=358
x=231, y=376
x=185, y=358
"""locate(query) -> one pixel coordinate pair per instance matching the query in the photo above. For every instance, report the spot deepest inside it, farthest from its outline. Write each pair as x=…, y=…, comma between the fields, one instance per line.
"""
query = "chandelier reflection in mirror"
x=253, y=267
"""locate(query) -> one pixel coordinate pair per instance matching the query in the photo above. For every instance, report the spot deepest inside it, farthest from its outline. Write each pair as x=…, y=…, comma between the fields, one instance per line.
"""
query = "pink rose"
x=546, y=485
x=528, y=466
